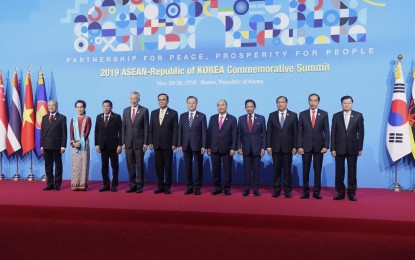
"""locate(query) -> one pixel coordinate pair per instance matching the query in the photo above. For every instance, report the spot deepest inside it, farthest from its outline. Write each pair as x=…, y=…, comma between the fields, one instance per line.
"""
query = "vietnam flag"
x=28, y=120
x=41, y=109
x=3, y=116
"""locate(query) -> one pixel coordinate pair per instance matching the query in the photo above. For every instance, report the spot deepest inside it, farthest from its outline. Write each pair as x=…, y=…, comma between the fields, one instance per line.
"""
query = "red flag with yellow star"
x=28, y=119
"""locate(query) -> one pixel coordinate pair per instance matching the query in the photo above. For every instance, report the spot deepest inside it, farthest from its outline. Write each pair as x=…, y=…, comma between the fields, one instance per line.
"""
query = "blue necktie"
x=191, y=120
x=282, y=120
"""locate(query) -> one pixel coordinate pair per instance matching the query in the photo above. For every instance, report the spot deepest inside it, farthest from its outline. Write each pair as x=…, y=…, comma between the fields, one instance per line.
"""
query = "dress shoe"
x=114, y=189
x=130, y=190
x=216, y=192
x=339, y=197
x=352, y=197
x=228, y=192
x=57, y=188
x=276, y=194
x=245, y=193
x=105, y=188
x=197, y=192
x=167, y=191
x=48, y=188
x=257, y=193
x=305, y=195
x=317, y=196
x=139, y=190
x=188, y=191
x=158, y=190
x=288, y=195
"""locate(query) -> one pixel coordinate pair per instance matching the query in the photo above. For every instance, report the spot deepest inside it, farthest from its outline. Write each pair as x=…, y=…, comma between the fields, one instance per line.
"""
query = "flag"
x=41, y=109
x=28, y=121
x=412, y=116
x=3, y=116
x=15, y=119
x=397, y=137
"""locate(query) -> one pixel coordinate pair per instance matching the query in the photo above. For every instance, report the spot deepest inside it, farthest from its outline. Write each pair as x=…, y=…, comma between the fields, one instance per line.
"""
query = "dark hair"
x=250, y=100
x=107, y=101
x=163, y=94
x=80, y=101
x=286, y=99
x=314, y=94
x=190, y=97
x=346, y=97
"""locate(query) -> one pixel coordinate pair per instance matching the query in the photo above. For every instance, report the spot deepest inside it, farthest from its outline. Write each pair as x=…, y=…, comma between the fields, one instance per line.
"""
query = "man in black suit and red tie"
x=163, y=139
x=282, y=137
x=221, y=144
x=313, y=142
x=251, y=144
x=53, y=137
x=135, y=140
x=108, y=142
x=192, y=142
x=347, y=134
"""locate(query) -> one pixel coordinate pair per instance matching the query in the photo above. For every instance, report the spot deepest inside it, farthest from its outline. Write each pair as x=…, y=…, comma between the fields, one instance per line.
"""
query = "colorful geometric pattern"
x=127, y=25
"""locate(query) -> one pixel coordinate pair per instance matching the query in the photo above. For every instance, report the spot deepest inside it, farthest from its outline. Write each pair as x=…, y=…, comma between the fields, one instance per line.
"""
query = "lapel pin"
x=318, y=114
x=351, y=116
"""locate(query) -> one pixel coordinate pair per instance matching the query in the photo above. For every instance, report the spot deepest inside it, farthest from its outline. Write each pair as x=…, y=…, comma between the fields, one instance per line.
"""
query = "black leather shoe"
x=228, y=192
x=216, y=192
x=276, y=194
x=339, y=197
x=317, y=196
x=257, y=193
x=352, y=197
x=139, y=190
x=188, y=191
x=167, y=191
x=245, y=193
x=57, y=188
x=105, y=188
x=48, y=188
x=288, y=195
x=158, y=190
x=130, y=190
x=197, y=192
x=114, y=189
x=305, y=195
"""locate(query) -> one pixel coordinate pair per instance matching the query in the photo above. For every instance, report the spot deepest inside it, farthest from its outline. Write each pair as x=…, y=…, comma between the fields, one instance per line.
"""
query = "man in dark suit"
x=192, y=142
x=251, y=143
x=108, y=142
x=282, y=137
x=163, y=139
x=135, y=140
x=53, y=139
x=347, y=134
x=221, y=144
x=313, y=142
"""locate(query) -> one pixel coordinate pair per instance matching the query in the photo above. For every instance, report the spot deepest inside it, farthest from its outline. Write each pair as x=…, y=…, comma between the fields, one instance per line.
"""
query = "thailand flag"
x=3, y=116
x=15, y=119
x=397, y=137
x=41, y=109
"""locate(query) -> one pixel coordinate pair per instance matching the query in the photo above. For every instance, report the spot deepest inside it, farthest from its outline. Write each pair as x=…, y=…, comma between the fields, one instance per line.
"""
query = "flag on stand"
x=15, y=119
x=28, y=121
x=3, y=116
x=412, y=116
x=41, y=109
x=397, y=136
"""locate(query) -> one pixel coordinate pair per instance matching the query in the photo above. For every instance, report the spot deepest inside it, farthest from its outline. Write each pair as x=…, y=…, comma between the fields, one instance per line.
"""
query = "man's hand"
x=301, y=151
x=208, y=151
x=119, y=149
x=360, y=153
x=144, y=147
x=180, y=149
x=41, y=150
x=62, y=149
x=240, y=151
x=97, y=149
x=232, y=153
x=333, y=153
x=269, y=151
x=151, y=146
x=262, y=152
x=202, y=151
x=294, y=151
x=324, y=150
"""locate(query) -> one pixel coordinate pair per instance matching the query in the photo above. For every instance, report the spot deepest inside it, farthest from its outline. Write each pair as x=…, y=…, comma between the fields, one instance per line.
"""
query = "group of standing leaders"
x=284, y=135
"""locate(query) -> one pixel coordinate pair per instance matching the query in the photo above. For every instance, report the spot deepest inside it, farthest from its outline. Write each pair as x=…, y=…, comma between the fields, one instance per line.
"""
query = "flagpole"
x=2, y=176
x=16, y=176
x=31, y=176
x=396, y=187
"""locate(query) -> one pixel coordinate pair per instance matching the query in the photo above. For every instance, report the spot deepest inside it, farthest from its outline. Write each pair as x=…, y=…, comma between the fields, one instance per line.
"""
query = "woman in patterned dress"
x=80, y=128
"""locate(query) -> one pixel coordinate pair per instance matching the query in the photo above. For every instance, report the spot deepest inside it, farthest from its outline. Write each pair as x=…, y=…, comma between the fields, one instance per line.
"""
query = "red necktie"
x=50, y=119
x=250, y=123
x=220, y=122
x=133, y=116
x=313, y=118
x=106, y=120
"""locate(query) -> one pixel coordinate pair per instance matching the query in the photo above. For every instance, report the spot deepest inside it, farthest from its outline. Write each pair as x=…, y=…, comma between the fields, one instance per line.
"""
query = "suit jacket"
x=108, y=137
x=163, y=136
x=53, y=135
x=194, y=137
x=135, y=135
x=347, y=141
x=225, y=139
x=252, y=142
x=317, y=137
x=282, y=139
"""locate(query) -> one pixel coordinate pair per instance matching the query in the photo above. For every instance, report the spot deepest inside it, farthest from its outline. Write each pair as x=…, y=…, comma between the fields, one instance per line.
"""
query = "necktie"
x=282, y=120
x=191, y=120
x=346, y=120
x=220, y=122
x=50, y=119
x=313, y=118
x=161, y=116
x=250, y=123
x=133, y=116
x=106, y=120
